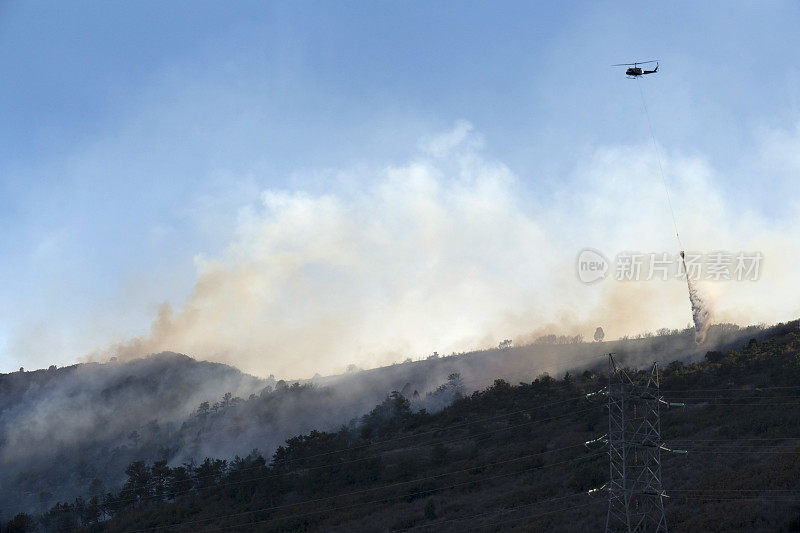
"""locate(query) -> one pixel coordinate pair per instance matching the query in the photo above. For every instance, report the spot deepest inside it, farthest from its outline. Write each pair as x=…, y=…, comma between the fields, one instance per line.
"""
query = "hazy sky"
x=147, y=145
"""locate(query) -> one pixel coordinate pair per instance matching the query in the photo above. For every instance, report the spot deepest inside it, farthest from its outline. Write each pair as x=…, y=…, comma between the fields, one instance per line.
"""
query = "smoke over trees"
x=71, y=432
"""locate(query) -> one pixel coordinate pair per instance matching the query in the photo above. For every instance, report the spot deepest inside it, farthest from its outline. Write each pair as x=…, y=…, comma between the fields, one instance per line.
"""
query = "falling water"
x=701, y=310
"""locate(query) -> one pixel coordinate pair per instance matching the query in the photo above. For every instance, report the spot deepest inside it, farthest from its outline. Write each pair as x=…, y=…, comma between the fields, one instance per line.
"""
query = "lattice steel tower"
x=635, y=495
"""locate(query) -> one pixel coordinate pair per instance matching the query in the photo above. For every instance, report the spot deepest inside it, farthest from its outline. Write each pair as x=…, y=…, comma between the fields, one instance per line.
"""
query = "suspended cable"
x=540, y=514
x=234, y=515
x=340, y=463
x=439, y=523
x=432, y=443
x=660, y=167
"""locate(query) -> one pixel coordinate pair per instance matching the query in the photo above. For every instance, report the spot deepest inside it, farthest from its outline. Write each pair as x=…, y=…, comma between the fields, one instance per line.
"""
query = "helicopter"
x=635, y=70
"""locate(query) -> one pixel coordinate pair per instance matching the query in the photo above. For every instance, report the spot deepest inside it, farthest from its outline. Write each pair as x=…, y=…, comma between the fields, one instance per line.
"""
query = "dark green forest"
x=509, y=456
x=71, y=432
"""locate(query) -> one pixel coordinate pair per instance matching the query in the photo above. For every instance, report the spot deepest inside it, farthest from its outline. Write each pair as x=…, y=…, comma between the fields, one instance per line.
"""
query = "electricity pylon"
x=635, y=495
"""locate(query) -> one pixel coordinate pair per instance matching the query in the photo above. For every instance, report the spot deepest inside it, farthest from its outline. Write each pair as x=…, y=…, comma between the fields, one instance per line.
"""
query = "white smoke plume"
x=451, y=252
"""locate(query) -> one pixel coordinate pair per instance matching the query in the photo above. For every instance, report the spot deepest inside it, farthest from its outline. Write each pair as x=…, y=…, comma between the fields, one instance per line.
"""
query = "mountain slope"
x=70, y=432
x=507, y=457
x=63, y=429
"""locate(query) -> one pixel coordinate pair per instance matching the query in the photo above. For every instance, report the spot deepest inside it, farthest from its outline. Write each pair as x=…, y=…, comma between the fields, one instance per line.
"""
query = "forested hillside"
x=70, y=432
x=509, y=456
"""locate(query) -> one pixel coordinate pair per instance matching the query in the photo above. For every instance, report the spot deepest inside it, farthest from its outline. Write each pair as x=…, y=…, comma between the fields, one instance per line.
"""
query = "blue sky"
x=134, y=135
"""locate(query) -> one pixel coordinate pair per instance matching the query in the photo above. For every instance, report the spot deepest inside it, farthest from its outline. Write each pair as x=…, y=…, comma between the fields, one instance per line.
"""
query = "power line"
x=274, y=475
x=432, y=443
x=579, y=507
x=389, y=486
x=330, y=465
x=753, y=389
x=748, y=403
x=440, y=429
x=692, y=452
x=467, y=423
x=371, y=501
x=489, y=513
x=250, y=480
x=737, y=439
x=481, y=514
x=723, y=398
x=735, y=490
x=740, y=499
x=538, y=514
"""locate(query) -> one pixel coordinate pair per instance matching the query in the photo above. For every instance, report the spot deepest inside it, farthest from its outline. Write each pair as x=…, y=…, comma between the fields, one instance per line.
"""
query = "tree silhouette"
x=599, y=334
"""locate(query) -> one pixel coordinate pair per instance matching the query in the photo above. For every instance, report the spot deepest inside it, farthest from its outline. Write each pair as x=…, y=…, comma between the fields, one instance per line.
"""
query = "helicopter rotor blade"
x=637, y=63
